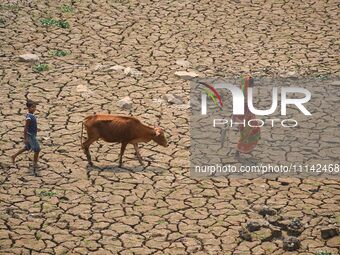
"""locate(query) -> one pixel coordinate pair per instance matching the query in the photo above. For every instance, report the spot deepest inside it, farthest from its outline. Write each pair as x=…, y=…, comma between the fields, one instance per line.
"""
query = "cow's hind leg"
x=122, y=149
x=86, y=148
x=135, y=145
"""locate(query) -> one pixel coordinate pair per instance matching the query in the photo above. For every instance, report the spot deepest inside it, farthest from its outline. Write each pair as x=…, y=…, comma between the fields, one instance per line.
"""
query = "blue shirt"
x=32, y=127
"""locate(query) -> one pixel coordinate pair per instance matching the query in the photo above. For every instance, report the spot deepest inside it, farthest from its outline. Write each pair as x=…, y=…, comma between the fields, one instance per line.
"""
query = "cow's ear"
x=157, y=131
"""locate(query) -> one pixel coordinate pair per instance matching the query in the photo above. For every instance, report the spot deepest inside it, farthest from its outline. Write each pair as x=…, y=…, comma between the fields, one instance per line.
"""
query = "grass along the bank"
x=47, y=22
x=60, y=53
x=67, y=8
x=40, y=68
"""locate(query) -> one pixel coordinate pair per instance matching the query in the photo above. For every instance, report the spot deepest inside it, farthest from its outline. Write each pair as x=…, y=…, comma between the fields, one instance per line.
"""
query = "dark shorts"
x=33, y=143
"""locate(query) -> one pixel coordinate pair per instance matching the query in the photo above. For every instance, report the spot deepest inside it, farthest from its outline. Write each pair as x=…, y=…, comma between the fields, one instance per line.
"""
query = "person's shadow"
x=248, y=161
x=116, y=169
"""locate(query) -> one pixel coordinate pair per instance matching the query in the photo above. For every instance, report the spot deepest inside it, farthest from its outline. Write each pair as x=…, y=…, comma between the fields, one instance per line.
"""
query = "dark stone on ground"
x=267, y=211
x=295, y=228
x=291, y=244
x=245, y=235
x=329, y=232
x=253, y=226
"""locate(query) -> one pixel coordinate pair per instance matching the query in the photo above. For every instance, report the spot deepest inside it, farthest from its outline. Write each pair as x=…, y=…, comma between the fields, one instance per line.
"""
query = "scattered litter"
x=173, y=99
x=183, y=62
x=29, y=57
x=82, y=88
x=336, y=83
x=132, y=71
x=85, y=91
x=125, y=103
x=117, y=68
x=158, y=101
x=98, y=67
x=186, y=75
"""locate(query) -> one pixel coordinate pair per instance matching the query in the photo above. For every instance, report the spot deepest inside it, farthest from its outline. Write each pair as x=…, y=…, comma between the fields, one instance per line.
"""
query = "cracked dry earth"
x=159, y=209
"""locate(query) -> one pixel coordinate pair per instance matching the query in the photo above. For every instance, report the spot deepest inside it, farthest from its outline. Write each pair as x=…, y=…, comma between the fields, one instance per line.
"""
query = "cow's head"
x=160, y=137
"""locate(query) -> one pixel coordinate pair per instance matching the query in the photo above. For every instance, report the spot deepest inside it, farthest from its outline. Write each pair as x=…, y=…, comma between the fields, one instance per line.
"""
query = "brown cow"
x=120, y=129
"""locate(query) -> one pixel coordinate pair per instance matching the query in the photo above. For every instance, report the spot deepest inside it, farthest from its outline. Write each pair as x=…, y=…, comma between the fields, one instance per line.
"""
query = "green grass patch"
x=119, y=2
x=323, y=253
x=38, y=68
x=36, y=205
x=47, y=208
x=37, y=236
x=10, y=7
x=48, y=22
x=2, y=22
x=66, y=8
x=60, y=53
x=63, y=24
x=87, y=242
x=48, y=194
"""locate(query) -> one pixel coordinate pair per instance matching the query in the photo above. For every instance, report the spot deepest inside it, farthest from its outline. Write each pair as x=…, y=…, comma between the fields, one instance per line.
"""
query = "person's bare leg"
x=252, y=161
x=35, y=159
x=237, y=155
x=16, y=154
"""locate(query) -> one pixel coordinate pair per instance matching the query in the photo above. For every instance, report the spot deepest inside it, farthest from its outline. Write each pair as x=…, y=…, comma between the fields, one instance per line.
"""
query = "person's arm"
x=28, y=121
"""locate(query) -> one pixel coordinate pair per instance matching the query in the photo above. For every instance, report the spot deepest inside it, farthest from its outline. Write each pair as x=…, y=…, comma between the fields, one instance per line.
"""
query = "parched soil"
x=129, y=48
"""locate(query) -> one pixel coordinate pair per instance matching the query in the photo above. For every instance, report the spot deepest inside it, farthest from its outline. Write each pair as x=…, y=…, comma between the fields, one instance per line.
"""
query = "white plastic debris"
x=336, y=83
x=158, y=100
x=183, y=62
x=98, y=67
x=186, y=75
x=125, y=103
x=29, y=57
x=82, y=88
x=117, y=68
x=172, y=99
x=132, y=71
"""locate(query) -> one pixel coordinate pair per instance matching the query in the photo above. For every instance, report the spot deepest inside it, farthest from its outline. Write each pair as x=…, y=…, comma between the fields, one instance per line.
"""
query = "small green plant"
x=63, y=24
x=66, y=8
x=60, y=53
x=119, y=1
x=48, y=22
x=45, y=193
x=323, y=253
x=40, y=68
x=10, y=7
x=2, y=22
x=37, y=236
x=36, y=206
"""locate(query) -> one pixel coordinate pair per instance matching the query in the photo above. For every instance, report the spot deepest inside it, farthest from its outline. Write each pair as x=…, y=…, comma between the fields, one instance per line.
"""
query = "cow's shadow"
x=124, y=169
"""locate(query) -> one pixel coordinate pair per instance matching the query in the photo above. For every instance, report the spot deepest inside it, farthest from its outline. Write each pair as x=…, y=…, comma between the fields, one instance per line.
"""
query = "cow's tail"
x=81, y=134
x=82, y=129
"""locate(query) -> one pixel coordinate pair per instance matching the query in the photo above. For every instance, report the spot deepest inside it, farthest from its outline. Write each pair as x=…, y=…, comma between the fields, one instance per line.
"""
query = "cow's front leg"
x=86, y=148
x=122, y=149
x=88, y=156
x=135, y=145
